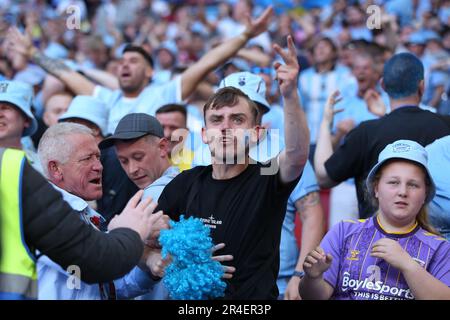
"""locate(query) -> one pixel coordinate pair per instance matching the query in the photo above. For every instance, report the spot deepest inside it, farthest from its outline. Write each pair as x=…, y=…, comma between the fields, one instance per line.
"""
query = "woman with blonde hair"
x=393, y=255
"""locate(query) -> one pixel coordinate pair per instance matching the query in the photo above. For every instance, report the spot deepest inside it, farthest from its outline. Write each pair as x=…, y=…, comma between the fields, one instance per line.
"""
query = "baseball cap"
x=170, y=46
x=251, y=84
x=430, y=35
x=417, y=38
x=20, y=95
x=87, y=108
x=133, y=126
x=402, y=149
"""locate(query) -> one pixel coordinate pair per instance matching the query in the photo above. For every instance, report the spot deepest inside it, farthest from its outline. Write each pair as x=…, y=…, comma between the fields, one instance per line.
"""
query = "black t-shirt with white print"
x=245, y=212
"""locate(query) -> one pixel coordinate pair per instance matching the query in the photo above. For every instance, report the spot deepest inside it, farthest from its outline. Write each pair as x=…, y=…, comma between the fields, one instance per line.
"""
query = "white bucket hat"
x=402, y=149
x=20, y=95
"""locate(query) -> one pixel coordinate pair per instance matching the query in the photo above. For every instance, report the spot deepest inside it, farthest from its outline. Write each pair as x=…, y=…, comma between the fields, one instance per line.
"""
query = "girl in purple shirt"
x=395, y=255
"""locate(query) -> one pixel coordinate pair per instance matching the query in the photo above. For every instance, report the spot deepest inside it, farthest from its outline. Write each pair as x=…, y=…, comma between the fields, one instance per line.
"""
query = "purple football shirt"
x=355, y=274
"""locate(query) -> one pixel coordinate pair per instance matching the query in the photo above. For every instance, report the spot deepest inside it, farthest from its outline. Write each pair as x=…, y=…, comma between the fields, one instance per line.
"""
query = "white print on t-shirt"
x=378, y=287
x=211, y=222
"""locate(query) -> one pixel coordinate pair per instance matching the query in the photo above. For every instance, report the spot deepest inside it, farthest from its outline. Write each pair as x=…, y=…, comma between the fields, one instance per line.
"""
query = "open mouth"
x=125, y=74
x=96, y=181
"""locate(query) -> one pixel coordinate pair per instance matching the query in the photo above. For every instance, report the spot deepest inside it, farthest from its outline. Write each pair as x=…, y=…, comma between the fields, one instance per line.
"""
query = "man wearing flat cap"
x=143, y=153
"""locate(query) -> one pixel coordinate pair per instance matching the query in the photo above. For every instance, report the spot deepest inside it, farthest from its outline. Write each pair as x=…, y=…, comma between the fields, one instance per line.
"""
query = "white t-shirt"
x=150, y=99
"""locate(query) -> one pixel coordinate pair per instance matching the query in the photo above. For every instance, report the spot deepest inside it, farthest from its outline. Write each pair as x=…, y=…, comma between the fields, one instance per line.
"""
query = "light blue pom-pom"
x=192, y=274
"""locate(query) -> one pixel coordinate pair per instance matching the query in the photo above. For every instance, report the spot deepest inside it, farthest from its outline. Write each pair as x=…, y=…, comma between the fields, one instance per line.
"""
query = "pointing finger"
x=291, y=47
x=281, y=52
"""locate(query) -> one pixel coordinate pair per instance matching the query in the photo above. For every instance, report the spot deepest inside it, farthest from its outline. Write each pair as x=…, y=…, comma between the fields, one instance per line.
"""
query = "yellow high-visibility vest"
x=18, y=275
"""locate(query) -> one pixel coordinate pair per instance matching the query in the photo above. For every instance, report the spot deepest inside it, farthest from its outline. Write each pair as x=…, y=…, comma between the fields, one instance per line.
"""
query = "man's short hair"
x=229, y=96
x=326, y=39
x=141, y=51
x=402, y=74
x=54, y=144
x=173, y=107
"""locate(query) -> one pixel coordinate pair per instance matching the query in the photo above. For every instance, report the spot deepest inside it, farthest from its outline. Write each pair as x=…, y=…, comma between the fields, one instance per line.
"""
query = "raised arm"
x=257, y=57
x=214, y=58
x=296, y=132
x=324, y=147
x=103, y=78
x=21, y=44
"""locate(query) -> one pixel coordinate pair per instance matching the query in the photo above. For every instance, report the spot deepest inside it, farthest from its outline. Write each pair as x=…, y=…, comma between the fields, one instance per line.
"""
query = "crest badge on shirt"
x=353, y=255
x=211, y=222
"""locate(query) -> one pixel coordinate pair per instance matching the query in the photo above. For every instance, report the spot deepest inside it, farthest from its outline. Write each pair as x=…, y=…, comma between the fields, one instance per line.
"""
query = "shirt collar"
x=74, y=201
x=406, y=106
x=170, y=171
x=403, y=234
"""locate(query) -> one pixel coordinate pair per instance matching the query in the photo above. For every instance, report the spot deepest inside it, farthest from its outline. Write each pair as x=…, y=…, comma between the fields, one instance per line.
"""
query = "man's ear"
x=54, y=171
x=163, y=146
x=204, y=136
x=97, y=132
x=26, y=123
x=148, y=72
x=421, y=88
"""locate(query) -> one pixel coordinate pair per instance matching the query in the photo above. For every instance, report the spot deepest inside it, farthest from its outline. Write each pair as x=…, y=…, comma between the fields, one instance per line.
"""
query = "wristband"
x=299, y=274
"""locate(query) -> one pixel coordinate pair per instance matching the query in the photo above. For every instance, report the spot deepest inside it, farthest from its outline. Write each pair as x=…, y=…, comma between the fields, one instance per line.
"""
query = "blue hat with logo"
x=89, y=109
x=407, y=150
x=20, y=95
x=251, y=84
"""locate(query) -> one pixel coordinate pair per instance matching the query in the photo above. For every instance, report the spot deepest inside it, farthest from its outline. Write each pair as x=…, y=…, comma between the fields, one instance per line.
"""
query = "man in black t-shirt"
x=242, y=202
x=403, y=81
